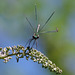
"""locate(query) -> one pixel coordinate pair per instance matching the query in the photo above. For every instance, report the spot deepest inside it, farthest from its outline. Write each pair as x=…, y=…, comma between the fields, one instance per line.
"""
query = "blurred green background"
x=58, y=47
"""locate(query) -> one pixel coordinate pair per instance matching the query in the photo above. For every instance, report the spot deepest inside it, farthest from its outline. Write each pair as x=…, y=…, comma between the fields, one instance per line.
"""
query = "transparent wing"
x=47, y=21
x=36, y=14
x=50, y=31
x=30, y=23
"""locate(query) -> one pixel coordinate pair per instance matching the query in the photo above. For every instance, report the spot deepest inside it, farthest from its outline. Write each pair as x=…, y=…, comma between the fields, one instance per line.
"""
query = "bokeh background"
x=58, y=47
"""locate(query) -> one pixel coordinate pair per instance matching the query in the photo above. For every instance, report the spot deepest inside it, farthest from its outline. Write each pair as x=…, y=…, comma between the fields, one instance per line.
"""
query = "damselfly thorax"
x=36, y=34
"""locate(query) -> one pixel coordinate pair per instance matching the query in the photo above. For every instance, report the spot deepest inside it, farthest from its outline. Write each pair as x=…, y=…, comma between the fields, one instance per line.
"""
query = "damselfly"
x=38, y=30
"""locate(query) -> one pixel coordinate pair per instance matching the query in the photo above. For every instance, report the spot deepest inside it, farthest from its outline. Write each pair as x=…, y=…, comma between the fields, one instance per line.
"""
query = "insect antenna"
x=47, y=21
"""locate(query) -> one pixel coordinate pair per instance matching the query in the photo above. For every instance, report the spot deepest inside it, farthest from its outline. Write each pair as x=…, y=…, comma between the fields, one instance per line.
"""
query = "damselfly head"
x=35, y=36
